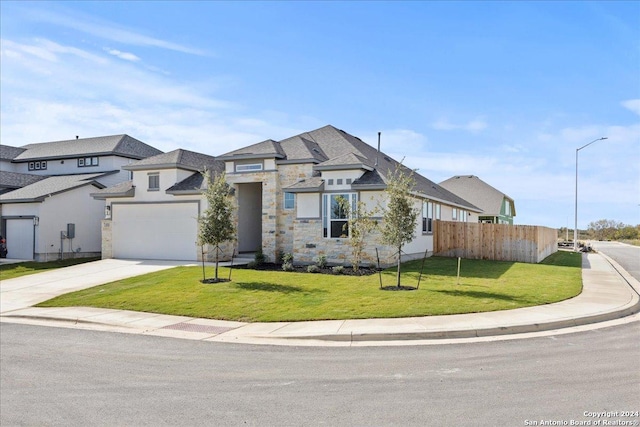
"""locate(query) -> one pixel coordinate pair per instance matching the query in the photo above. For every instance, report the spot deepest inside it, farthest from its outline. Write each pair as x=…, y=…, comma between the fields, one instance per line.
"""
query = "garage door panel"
x=155, y=231
x=20, y=238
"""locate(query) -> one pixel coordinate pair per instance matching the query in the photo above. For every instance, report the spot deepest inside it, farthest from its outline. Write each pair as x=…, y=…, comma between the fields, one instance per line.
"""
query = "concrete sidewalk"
x=609, y=293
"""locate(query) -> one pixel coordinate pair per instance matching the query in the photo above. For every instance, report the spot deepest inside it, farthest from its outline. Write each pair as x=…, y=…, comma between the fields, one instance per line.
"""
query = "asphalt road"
x=56, y=376
x=626, y=255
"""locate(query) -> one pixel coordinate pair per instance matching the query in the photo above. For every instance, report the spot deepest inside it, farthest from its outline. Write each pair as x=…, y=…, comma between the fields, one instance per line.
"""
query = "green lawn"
x=9, y=271
x=267, y=296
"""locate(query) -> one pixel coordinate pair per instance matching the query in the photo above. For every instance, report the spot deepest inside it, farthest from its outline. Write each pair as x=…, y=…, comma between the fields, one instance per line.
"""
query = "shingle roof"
x=345, y=161
x=37, y=192
x=264, y=149
x=193, y=184
x=181, y=159
x=123, y=189
x=15, y=180
x=122, y=145
x=478, y=192
x=8, y=152
x=312, y=184
x=334, y=143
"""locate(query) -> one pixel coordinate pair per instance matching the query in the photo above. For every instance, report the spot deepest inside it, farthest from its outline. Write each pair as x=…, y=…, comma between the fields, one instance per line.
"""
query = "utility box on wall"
x=71, y=231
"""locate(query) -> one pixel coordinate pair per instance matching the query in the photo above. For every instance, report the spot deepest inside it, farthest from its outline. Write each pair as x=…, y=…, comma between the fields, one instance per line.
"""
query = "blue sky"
x=503, y=90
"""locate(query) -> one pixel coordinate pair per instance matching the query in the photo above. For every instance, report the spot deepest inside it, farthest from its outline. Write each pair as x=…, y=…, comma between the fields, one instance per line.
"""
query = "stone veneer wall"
x=270, y=186
x=107, y=245
x=288, y=175
x=308, y=244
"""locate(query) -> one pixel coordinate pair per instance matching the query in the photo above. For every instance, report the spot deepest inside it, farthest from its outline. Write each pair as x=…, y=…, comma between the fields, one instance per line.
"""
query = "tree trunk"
x=398, y=272
x=217, y=252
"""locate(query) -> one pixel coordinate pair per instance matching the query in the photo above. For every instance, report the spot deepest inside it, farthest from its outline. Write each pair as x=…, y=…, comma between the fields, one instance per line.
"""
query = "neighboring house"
x=155, y=215
x=285, y=193
x=46, y=207
x=498, y=208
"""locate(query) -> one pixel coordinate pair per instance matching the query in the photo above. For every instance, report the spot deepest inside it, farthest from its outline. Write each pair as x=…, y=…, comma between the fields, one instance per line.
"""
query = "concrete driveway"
x=25, y=291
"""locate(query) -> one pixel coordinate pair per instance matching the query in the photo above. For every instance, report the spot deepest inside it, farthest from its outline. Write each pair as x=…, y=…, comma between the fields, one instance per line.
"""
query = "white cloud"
x=107, y=30
x=632, y=105
x=476, y=125
x=122, y=55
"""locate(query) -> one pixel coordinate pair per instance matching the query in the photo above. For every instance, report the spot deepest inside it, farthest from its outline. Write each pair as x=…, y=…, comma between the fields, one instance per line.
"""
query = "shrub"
x=338, y=269
x=321, y=261
x=287, y=266
x=313, y=269
x=287, y=258
x=260, y=258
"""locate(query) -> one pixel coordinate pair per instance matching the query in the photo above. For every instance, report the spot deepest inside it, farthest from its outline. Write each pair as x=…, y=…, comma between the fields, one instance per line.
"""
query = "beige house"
x=286, y=194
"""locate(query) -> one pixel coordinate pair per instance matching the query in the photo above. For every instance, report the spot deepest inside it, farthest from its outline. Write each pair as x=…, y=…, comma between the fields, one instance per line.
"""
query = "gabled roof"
x=337, y=146
x=309, y=185
x=15, y=180
x=345, y=161
x=8, y=152
x=262, y=150
x=120, y=145
x=178, y=159
x=123, y=189
x=478, y=192
x=50, y=186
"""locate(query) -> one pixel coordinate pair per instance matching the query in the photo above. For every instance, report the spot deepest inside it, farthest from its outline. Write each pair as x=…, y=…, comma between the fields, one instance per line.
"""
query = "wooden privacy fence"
x=500, y=242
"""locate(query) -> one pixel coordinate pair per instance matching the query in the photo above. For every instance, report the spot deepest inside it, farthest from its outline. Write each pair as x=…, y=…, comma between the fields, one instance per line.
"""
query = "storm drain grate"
x=195, y=327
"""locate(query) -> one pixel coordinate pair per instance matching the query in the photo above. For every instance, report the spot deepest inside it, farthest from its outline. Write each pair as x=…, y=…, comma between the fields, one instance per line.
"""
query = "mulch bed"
x=346, y=271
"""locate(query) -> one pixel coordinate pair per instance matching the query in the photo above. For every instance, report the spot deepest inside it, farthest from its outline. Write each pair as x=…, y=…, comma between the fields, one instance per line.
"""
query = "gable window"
x=87, y=162
x=334, y=216
x=289, y=201
x=154, y=181
x=430, y=211
x=249, y=167
x=35, y=166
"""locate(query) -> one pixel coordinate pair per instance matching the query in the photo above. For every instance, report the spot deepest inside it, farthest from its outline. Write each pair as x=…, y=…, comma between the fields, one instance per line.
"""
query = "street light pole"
x=575, y=228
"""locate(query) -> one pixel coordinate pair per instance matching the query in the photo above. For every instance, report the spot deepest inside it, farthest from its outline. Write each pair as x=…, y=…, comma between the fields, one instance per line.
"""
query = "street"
x=626, y=255
x=56, y=376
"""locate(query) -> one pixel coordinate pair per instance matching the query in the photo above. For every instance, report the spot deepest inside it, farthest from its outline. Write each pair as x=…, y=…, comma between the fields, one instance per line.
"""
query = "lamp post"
x=575, y=229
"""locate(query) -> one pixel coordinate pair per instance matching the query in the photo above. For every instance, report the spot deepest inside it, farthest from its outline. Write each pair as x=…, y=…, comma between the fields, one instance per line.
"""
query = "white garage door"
x=155, y=231
x=20, y=238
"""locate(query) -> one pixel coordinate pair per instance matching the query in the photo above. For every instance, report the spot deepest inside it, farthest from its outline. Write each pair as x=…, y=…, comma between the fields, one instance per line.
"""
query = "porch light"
x=107, y=212
x=36, y=220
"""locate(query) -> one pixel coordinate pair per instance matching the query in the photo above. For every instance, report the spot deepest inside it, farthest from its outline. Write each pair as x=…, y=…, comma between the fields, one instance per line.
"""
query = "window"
x=430, y=211
x=249, y=167
x=36, y=166
x=349, y=181
x=463, y=216
x=330, y=182
x=454, y=214
x=334, y=216
x=339, y=181
x=87, y=162
x=154, y=181
x=289, y=201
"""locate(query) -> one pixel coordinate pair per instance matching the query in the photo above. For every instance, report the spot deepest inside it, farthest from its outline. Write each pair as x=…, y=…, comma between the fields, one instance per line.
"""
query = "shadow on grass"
x=448, y=267
x=481, y=295
x=270, y=287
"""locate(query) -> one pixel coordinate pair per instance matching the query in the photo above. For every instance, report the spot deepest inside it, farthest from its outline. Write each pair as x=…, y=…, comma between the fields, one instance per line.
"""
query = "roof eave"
x=103, y=196
x=160, y=166
x=343, y=167
x=227, y=158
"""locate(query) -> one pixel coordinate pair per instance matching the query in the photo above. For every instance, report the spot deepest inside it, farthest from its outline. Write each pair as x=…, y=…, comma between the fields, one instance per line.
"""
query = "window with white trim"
x=41, y=165
x=430, y=211
x=249, y=167
x=289, y=201
x=335, y=221
x=84, y=162
x=454, y=214
x=154, y=181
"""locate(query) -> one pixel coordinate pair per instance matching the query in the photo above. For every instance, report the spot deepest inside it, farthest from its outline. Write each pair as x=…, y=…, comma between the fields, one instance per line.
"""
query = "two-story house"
x=47, y=210
x=285, y=193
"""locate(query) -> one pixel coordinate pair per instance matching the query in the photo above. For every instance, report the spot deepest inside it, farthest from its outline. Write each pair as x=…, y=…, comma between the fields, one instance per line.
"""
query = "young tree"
x=360, y=223
x=399, y=216
x=216, y=223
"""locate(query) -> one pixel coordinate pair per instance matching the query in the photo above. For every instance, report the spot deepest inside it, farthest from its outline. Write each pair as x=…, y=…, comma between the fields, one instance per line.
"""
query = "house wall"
x=168, y=177
x=70, y=166
x=289, y=175
x=76, y=207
